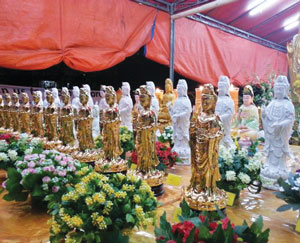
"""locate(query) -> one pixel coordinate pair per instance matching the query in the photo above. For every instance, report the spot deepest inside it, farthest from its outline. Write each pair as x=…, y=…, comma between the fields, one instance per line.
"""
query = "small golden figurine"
x=205, y=135
x=87, y=152
x=145, y=144
x=25, y=114
x=15, y=112
x=110, y=122
x=2, y=120
x=164, y=118
x=7, y=113
x=51, y=120
x=37, y=115
x=67, y=124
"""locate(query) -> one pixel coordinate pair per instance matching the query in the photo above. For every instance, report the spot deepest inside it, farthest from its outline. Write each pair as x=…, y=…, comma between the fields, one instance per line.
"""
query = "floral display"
x=167, y=136
x=12, y=148
x=41, y=175
x=204, y=228
x=290, y=192
x=127, y=140
x=102, y=206
x=239, y=168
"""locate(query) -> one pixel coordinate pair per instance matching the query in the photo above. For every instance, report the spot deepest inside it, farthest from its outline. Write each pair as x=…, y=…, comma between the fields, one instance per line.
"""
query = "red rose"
x=171, y=241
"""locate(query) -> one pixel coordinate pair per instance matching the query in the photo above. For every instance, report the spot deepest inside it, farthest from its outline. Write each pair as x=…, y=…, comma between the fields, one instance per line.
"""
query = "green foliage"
x=167, y=136
x=127, y=141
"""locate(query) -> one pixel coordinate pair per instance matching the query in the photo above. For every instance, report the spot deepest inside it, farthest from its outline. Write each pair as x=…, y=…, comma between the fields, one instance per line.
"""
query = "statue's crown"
x=110, y=91
x=248, y=90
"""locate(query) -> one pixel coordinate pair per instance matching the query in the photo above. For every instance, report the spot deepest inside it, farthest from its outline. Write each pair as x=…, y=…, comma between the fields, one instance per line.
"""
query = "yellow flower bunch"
x=54, y=226
x=76, y=221
x=121, y=176
x=108, y=189
x=125, y=137
x=98, y=221
x=72, y=195
x=120, y=194
x=139, y=212
x=128, y=188
x=136, y=199
x=89, y=201
x=83, y=171
x=145, y=188
x=81, y=188
x=132, y=178
x=69, y=239
x=147, y=221
x=108, y=207
x=99, y=198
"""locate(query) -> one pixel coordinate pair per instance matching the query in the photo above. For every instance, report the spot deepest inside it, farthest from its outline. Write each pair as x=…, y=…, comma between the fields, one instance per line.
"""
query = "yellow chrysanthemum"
x=76, y=221
x=98, y=221
x=136, y=199
x=70, y=196
x=108, y=207
x=108, y=189
x=83, y=171
x=132, y=178
x=81, y=188
x=89, y=201
x=128, y=188
x=54, y=226
x=139, y=212
x=120, y=194
x=121, y=176
x=69, y=239
x=145, y=187
x=99, y=198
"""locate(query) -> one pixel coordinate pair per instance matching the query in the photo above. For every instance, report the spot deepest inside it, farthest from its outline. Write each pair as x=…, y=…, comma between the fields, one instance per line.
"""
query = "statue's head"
x=223, y=86
x=182, y=88
x=281, y=87
x=209, y=98
x=151, y=87
x=248, y=95
x=125, y=88
x=37, y=97
x=49, y=97
x=87, y=87
x=76, y=91
x=25, y=98
x=83, y=97
x=15, y=98
x=55, y=92
x=110, y=95
x=65, y=96
x=102, y=91
x=145, y=97
x=7, y=97
x=168, y=85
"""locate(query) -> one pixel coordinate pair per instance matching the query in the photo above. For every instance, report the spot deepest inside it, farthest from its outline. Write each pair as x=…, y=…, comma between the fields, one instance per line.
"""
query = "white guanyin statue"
x=278, y=119
x=102, y=103
x=45, y=102
x=90, y=101
x=96, y=121
x=76, y=101
x=154, y=101
x=56, y=97
x=125, y=106
x=180, y=115
x=225, y=110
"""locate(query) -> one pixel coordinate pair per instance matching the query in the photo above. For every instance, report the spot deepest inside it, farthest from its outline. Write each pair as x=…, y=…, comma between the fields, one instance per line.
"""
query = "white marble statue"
x=56, y=97
x=154, y=101
x=125, y=106
x=180, y=114
x=76, y=101
x=90, y=101
x=102, y=103
x=225, y=110
x=45, y=102
x=278, y=119
x=96, y=121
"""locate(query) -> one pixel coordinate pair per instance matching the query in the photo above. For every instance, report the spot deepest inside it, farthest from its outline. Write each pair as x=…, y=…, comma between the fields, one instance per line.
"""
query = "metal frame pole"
x=172, y=42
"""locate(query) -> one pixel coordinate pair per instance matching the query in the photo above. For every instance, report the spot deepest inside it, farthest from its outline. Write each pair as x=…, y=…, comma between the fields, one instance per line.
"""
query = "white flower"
x=3, y=146
x=244, y=178
x=228, y=160
x=12, y=154
x=295, y=188
x=35, y=141
x=3, y=157
x=230, y=175
x=254, y=165
x=243, y=152
x=28, y=151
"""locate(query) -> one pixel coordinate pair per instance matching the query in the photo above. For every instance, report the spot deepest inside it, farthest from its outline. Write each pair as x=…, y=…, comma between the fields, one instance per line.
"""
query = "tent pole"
x=172, y=40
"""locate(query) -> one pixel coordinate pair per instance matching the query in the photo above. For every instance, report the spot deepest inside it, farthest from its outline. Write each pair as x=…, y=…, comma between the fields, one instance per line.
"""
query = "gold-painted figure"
x=110, y=122
x=25, y=114
x=205, y=135
x=164, y=118
x=7, y=113
x=37, y=128
x=15, y=112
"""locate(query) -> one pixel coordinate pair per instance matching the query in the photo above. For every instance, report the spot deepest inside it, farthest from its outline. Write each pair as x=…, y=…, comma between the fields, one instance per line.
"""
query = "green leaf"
x=191, y=236
x=218, y=235
x=204, y=233
x=108, y=221
x=257, y=226
x=129, y=218
x=37, y=191
x=186, y=211
x=284, y=207
x=126, y=208
x=263, y=237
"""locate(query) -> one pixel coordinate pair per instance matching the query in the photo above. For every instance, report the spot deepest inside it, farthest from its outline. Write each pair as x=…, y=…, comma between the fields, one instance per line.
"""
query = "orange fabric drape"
x=88, y=35
x=203, y=53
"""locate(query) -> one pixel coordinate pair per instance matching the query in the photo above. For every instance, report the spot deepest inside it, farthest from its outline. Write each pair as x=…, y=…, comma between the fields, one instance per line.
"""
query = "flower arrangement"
x=239, y=168
x=99, y=207
x=127, y=140
x=204, y=228
x=98, y=142
x=12, y=148
x=167, y=136
x=41, y=175
x=290, y=193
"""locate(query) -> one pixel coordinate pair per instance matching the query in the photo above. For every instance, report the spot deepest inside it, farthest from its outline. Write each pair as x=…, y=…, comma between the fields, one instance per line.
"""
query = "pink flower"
x=55, y=189
x=42, y=156
x=63, y=163
x=62, y=173
x=31, y=170
x=72, y=167
x=46, y=179
x=47, y=168
x=31, y=164
x=3, y=184
x=52, y=168
x=171, y=241
x=57, y=158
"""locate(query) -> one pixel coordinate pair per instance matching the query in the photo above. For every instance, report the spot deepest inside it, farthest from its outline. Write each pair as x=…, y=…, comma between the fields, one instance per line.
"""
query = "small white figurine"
x=125, y=106
x=96, y=127
x=90, y=101
x=56, y=97
x=154, y=101
x=180, y=114
x=45, y=102
x=225, y=110
x=76, y=101
x=278, y=119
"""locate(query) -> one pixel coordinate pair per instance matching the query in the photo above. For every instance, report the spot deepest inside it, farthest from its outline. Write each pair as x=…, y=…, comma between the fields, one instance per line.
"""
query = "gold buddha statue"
x=67, y=124
x=110, y=122
x=145, y=142
x=51, y=121
x=7, y=113
x=37, y=115
x=25, y=114
x=15, y=112
x=169, y=97
x=205, y=135
x=2, y=123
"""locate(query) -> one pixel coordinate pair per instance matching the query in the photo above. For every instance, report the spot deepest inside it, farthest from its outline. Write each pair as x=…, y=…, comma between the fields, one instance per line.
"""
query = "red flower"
x=8, y=137
x=213, y=225
x=171, y=241
x=134, y=157
x=202, y=218
x=160, y=238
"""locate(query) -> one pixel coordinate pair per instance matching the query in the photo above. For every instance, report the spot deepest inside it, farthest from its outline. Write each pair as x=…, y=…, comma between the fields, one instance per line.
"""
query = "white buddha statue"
x=154, y=101
x=56, y=97
x=76, y=101
x=96, y=121
x=278, y=119
x=180, y=114
x=225, y=110
x=125, y=106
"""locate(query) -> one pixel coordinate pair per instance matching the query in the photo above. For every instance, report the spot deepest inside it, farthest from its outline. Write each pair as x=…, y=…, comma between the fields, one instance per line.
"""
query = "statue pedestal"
x=269, y=176
x=111, y=166
x=88, y=156
x=204, y=202
x=67, y=149
x=51, y=144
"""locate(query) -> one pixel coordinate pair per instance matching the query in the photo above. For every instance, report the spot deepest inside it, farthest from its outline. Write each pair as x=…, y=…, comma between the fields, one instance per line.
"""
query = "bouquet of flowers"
x=238, y=168
x=12, y=148
x=41, y=175
x=127, y=141
x=100, y=207
x=204, y=228
x=290, y=193
x=167, y=136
